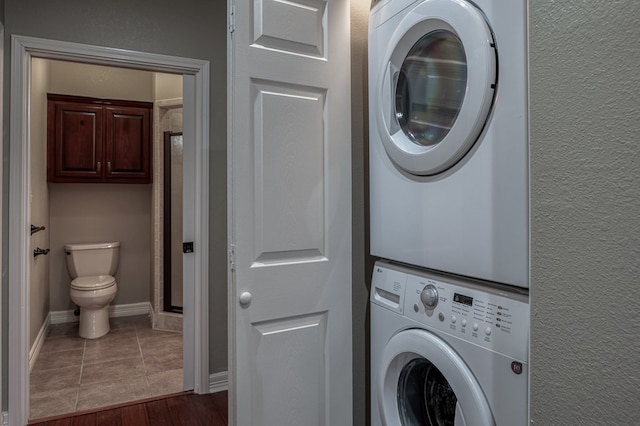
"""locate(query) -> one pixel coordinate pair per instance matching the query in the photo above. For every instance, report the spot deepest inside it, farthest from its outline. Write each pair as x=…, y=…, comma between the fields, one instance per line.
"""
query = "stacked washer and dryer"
x=449, y=209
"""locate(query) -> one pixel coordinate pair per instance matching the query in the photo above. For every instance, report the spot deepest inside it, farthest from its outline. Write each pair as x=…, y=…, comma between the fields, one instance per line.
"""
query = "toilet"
x=92, y=268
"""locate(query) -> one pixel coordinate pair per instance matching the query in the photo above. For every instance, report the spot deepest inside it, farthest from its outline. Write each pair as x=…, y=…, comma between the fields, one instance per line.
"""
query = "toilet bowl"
x=93, y=295
x=92, y=268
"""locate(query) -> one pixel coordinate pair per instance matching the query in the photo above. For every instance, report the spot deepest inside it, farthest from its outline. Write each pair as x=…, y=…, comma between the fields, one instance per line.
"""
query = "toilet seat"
x=93, y=283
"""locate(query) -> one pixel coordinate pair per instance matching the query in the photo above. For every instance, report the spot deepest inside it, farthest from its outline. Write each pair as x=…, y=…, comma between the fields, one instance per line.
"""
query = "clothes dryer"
x=446, y=351
x=449, y=136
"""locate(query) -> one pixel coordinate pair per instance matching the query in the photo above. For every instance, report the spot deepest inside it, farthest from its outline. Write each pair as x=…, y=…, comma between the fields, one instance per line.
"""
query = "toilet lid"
x=93, y=283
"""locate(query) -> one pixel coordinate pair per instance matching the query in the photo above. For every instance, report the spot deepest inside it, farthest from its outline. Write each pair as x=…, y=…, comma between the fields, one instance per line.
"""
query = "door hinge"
x=187, y=247
x=232, y=257
x=5, y=418
x=232, y=18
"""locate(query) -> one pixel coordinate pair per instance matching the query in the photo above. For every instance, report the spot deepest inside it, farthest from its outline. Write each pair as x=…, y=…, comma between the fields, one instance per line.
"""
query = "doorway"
x=140, y=349
x=196, y=129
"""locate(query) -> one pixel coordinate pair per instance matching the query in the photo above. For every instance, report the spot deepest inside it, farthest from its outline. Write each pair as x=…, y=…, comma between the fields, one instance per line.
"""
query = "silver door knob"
x=245, y=299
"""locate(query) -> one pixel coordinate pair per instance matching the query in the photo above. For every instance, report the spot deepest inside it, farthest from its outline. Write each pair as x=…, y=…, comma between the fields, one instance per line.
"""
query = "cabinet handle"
x=98, y=168
x=108, y=167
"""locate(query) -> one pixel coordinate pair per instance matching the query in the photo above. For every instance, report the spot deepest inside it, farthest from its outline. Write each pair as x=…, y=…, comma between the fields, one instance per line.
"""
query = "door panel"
x=290, y=213
x=76, y=137
x=128, y=132
x=289, y=184
x=290, y=369
x=290, y=26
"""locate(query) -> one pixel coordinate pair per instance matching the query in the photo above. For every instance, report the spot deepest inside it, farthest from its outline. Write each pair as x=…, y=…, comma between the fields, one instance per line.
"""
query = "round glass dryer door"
x=437, y=85
x=424, y=382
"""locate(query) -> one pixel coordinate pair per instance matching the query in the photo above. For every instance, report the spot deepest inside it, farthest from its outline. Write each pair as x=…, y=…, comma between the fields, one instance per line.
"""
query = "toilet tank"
x=84, y=260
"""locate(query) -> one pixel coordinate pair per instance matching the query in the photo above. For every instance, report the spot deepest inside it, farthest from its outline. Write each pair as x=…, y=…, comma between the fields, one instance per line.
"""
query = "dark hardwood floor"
x=185, y=409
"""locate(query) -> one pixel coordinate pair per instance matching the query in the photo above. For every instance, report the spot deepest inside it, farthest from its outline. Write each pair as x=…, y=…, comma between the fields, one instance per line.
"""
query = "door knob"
x=245, y=299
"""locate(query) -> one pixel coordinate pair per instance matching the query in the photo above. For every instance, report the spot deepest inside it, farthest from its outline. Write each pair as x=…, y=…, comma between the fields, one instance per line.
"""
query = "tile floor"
x=132, y=362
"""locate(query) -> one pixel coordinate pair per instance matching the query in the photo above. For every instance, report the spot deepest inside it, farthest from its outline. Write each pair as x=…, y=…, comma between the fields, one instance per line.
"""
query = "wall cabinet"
x=98, y=140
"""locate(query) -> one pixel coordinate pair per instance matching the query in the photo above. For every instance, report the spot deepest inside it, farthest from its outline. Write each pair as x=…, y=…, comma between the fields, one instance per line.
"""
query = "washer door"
x=424, y=382
x=436, y=86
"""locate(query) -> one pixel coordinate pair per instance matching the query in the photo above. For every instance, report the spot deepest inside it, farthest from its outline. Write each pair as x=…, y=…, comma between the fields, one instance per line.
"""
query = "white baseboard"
x=37, y=345
x=218, y=382
x=128, y=310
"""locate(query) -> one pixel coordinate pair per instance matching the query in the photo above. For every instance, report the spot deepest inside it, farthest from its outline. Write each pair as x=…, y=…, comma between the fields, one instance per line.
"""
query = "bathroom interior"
x=147, y=308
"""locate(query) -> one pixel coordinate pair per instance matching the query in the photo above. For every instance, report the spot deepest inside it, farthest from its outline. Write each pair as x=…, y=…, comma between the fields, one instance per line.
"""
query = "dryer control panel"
x=482, y=313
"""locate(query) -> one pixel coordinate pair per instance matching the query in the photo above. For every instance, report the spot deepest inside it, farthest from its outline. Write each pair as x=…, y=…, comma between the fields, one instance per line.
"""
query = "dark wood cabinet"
x=98, y=140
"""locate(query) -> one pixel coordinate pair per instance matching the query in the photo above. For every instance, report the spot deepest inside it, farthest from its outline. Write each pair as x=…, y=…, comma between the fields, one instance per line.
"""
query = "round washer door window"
x=425, y=396
x=436, y=88
x=425, y=383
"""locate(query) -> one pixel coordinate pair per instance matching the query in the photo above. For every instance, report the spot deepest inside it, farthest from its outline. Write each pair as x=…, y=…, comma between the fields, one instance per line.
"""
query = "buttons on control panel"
x=466, y=312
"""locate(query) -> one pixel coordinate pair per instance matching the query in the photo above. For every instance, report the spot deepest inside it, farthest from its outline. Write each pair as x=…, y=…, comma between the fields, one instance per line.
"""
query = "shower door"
x=172, y=223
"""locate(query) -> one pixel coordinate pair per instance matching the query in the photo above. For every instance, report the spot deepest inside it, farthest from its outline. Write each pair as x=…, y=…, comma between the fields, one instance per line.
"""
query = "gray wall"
x=585, y=207
x=194, y=29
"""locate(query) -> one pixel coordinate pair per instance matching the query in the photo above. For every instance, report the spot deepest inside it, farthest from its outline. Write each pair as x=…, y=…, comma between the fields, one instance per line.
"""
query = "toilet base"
x=94, y=323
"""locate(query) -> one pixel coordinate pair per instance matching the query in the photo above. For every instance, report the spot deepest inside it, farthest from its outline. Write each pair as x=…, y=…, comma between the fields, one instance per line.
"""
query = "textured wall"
x=585, y=175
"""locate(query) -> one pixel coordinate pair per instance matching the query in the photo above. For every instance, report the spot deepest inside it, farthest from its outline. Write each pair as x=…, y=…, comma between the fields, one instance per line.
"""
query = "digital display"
x=461, y=298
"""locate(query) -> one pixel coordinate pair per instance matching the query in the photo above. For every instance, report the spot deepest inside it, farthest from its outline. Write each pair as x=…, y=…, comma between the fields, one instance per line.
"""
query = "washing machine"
x=449, y=136
x=446, y=350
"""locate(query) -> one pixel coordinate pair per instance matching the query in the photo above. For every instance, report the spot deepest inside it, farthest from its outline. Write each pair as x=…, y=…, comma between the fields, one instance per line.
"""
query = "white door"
x=290, y=213
x=425, y=382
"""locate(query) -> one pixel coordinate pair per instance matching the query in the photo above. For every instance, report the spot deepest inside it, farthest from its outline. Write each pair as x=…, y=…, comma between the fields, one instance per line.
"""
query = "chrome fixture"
x=38, y=251
x=35, y=229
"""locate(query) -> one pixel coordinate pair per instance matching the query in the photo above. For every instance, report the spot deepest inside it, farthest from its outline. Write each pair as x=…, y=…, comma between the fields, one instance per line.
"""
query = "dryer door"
x=436, y=87
x=424, y=382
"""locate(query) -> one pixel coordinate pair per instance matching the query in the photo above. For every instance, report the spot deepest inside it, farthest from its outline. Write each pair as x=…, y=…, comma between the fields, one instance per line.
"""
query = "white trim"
x=115, y=311
x=18, y=224
x=218, y=382
x=197, y=93
x=37, y=345
x=1, y=186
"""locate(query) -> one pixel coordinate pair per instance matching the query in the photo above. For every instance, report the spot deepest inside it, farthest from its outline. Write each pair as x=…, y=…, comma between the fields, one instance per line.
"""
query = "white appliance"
x=449, y=136
x=447, y=351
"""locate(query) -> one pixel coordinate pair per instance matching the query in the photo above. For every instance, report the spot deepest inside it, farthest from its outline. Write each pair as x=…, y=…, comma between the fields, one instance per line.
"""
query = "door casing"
x=196, y=128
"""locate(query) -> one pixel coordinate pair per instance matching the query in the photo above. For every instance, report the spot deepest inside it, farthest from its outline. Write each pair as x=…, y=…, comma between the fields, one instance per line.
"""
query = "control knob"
x=429, y=297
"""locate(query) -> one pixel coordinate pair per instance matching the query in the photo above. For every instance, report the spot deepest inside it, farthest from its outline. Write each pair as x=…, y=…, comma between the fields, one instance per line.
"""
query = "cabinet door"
x=76, y=151
x=127, y=144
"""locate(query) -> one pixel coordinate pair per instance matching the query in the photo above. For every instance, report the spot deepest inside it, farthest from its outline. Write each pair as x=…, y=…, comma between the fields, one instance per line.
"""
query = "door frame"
x=196, y=127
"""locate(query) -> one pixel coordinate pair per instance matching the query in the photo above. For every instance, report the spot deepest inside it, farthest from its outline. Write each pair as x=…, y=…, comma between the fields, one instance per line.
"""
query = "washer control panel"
x=488, y=316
